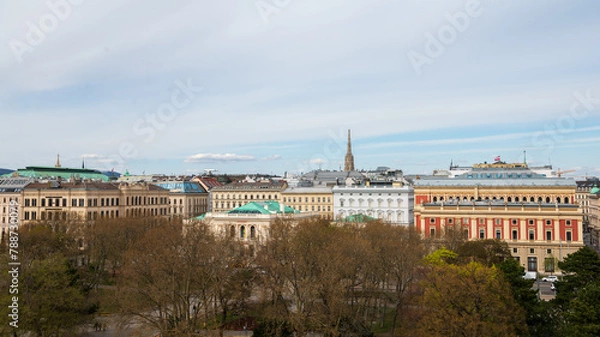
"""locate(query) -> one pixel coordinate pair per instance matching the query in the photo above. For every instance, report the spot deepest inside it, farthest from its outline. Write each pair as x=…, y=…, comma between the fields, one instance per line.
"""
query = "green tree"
x=583, y=318
x=580, y=268
x=470, y=300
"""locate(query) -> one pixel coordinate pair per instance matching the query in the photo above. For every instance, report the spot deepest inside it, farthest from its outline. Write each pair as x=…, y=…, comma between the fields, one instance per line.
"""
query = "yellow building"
x=310, y=199
x=230, y=196
x=594, y=217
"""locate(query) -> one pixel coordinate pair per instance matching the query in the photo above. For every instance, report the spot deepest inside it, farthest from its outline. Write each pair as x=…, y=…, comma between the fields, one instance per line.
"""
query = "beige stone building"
x=310, y=199
x=84, y=200
x=230, y=196
x=594, y=217
x=187, y=199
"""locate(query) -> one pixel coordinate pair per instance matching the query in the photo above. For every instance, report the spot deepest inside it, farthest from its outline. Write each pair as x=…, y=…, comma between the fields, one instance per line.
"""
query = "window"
x=569, y=236
x=531, y=234
x=515, y=234
x=431, y=220
x=513, y=221
x=532, y=263
x=531, y=222
x=568, y=222
x=432, y=232
x=43, y=202
x=450, y=221
x=531, y=251
x=481, y=233
x=481, y=221
x=242, y=232
x=498, y=221
x=548, y=251
x=252, y=232
x=515, y=250
x=498, y=233
x=548, y=235
x=548, y=222
x=549, y=264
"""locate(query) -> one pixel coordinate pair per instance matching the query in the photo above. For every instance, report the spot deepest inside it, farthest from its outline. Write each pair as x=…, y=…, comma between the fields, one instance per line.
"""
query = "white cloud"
x=223, y=157
x=273, y=157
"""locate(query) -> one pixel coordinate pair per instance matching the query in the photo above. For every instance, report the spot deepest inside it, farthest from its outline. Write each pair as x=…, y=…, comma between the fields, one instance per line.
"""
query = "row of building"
x=542, y=218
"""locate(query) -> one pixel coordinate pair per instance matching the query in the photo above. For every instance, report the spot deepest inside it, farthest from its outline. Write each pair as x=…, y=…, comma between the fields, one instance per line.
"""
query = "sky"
x=273, y=86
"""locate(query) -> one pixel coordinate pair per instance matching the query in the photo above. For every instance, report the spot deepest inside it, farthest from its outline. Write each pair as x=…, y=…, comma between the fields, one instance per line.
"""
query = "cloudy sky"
x=273, y=85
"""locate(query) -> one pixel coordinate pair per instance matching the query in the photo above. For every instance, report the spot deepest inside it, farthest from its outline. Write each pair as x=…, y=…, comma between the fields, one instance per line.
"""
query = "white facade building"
x=390, y=203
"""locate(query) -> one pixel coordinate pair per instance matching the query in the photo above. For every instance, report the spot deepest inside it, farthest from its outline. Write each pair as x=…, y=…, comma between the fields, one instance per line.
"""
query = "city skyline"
x=273, y=86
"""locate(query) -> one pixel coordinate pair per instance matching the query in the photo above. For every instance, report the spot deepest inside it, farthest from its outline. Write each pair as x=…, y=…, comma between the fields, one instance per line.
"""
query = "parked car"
x=551, y=278
x=530, y=275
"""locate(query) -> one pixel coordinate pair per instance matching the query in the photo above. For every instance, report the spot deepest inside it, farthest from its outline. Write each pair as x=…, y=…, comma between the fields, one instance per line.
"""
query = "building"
x=538, y=216
x=535, y=232
x=230, y=196
x=11, y=190
x=187, y=199
x=81, y=200
x=392, y=202
x=594, y=217
x=310, y=199
x=250, y=222
x=208, y=183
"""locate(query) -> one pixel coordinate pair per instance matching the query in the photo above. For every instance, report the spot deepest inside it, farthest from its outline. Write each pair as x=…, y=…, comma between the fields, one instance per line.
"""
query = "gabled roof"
x=267, y=207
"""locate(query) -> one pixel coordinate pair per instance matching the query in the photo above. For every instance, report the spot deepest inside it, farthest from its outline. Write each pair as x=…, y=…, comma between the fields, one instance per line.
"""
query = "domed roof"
x=595, y=189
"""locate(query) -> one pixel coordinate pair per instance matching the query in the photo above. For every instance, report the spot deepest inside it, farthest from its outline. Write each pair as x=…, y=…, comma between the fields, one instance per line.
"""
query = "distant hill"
x=5, y=171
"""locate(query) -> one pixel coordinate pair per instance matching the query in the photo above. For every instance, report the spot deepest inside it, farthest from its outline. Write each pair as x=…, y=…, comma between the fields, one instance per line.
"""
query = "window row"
x=312, y=199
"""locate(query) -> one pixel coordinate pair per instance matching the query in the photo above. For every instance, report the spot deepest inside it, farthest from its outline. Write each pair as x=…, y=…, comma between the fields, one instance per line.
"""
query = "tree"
x=583, y=318
x=580, y=268
x=470, y=300
x=488, y=251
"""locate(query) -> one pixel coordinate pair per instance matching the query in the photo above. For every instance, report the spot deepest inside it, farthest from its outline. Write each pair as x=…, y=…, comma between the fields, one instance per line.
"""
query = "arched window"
x=566, y=200
x=516, y=199
x=253, y=232
x=547, y=199
x=242, y=232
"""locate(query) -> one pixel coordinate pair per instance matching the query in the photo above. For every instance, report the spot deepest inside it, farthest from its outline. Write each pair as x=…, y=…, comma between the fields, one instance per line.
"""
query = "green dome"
x=595, y=190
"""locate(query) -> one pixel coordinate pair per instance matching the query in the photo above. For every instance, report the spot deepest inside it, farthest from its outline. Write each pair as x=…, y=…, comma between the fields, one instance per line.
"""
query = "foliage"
x=441, y=257
x=470, y=300
x=488, y=251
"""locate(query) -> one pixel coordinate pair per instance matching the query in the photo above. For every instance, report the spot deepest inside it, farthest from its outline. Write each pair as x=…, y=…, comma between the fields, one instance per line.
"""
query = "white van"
x=530, y=275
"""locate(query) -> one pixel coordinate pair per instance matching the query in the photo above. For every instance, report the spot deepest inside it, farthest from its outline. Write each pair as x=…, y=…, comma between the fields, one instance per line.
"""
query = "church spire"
x=349, y=160
x=57, y=165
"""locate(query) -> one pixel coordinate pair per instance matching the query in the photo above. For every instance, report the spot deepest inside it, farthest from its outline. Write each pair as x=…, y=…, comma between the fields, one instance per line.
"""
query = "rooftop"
x=45, y=172
x=267, y=207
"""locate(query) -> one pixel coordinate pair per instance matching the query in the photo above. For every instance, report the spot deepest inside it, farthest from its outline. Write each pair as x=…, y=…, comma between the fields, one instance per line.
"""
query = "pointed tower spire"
x=57, y=161
x=349, y=160
x=82, y=163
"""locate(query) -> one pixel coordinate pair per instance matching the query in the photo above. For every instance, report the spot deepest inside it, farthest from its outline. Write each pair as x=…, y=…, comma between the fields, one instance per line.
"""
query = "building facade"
x=227, y=197
x=310, y=199
x=389, y=203
x=594, y=218
x=187, y=199
x=539, y=235
x=83, y=200
x=250, y=222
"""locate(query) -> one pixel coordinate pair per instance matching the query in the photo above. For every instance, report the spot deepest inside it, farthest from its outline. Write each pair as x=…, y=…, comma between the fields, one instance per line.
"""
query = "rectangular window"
x=43, y=202
x=498, y=221
x=34, y=202
x=498, y=234
x=432, y=232
x=515, y=234
x=64, y=203
x=515, y=250
x=532, y=263
x=569, y=236
x=26, y=202
x=548, y=235
x=81, y=202
x=531, y=251
x=548, y=251
x=549, y=264
x=481, y=233
x=531, y=234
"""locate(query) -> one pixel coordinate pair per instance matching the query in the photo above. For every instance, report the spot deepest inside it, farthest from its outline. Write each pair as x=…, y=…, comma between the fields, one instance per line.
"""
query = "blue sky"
x=273, y=85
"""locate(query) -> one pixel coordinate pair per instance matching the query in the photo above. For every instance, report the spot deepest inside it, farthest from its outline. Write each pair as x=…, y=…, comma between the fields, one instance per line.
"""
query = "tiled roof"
x=260, y=186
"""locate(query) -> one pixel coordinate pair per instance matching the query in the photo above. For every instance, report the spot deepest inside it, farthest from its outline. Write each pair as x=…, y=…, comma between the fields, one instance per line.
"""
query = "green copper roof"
x=267, y=207
x=358, y=218
x=595, y=190
x=43, y=172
